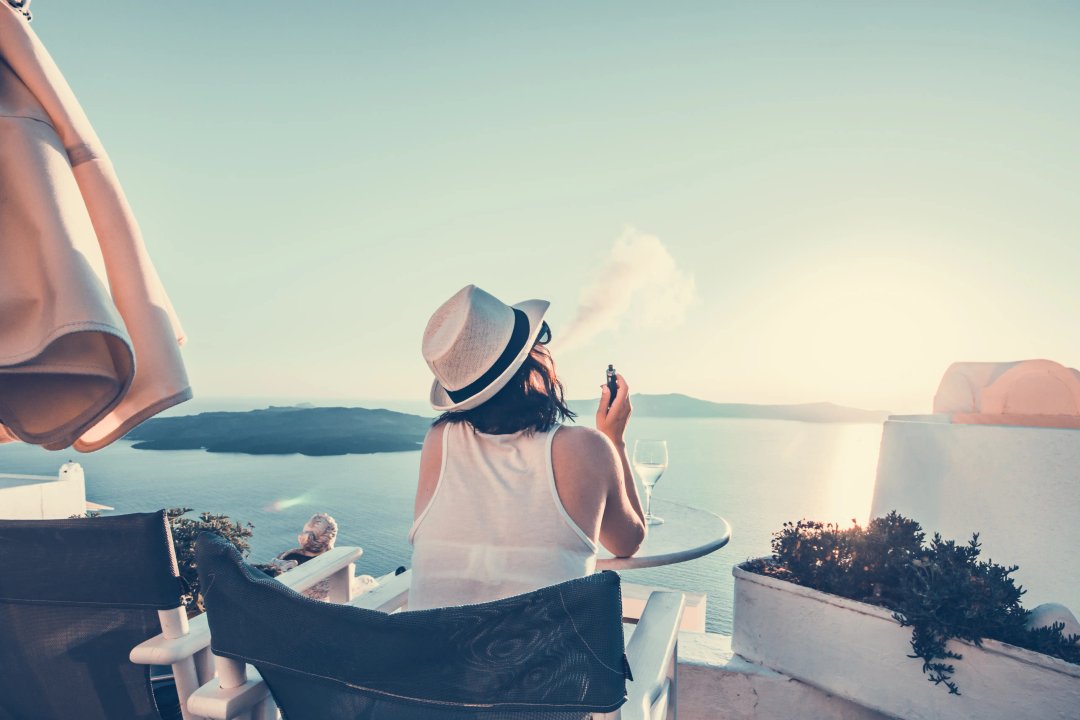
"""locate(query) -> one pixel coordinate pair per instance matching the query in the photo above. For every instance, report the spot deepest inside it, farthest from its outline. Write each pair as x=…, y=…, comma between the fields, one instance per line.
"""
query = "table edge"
x=634, y=563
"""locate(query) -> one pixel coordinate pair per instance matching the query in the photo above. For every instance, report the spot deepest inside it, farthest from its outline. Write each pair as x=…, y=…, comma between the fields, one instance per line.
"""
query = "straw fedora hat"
x=474, y=343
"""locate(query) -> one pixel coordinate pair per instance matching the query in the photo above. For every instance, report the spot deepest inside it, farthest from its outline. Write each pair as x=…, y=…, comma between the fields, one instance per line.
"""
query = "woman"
x=317, y=537
x=509, y=500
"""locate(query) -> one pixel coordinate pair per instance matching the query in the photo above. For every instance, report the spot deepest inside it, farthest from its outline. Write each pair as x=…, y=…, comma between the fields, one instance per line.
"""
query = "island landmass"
x=285, y=431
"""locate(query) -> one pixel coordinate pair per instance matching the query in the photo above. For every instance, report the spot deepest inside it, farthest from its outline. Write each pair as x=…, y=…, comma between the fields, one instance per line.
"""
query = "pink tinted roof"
x=1028, y=392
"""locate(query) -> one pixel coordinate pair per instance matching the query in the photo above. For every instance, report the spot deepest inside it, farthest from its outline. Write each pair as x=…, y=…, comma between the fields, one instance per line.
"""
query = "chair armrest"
x=652, y=656
x=391, y=594
x=160, y=650
x=319, y=568
x=635, y=596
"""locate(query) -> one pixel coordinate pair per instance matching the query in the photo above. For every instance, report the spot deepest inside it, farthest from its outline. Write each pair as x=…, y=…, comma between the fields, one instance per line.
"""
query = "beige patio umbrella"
x=89, y=341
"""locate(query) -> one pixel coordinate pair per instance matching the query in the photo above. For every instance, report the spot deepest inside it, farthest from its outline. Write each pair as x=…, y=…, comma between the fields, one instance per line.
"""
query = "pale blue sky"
x=862, y=191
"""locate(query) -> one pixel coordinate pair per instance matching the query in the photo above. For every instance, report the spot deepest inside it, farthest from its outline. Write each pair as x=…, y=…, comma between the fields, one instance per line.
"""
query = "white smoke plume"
x=639, y=275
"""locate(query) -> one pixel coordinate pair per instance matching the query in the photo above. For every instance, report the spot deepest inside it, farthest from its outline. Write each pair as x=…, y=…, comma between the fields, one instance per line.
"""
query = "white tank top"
x=495, y=526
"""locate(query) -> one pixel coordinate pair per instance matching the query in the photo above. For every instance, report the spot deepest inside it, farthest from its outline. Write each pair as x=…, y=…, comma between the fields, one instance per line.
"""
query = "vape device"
x=613, y=386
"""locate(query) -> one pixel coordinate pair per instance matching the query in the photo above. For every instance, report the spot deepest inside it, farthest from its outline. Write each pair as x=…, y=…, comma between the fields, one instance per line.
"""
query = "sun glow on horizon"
x=851, y=329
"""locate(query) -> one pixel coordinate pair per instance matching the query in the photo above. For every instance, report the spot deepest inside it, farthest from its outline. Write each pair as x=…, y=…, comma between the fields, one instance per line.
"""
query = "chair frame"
x=239, y=692
x=184, y=644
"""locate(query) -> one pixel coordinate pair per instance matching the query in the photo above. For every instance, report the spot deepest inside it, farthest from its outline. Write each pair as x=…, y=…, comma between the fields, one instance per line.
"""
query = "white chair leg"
x=204, y=665
x=174, y=624
x=673, y=682
x=237, y=693
x=266, y=710
x=187, y=681
x=232, y=674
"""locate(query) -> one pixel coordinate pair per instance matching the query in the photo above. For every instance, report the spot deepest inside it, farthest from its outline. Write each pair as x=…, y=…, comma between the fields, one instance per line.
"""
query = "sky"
x=773, y=201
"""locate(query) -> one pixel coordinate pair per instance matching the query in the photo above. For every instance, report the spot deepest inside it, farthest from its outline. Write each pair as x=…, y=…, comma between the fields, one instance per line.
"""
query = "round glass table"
x=687, y=533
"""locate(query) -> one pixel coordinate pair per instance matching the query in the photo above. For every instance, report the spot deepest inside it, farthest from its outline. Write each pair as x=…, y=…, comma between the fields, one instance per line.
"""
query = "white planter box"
x=859, y=652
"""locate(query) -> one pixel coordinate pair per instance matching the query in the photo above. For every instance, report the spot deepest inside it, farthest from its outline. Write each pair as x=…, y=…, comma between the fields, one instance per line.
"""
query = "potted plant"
x=871, y=614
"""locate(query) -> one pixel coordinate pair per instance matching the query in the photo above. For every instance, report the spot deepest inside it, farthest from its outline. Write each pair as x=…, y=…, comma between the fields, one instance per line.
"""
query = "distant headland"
x=309, y=430
x=675, y=405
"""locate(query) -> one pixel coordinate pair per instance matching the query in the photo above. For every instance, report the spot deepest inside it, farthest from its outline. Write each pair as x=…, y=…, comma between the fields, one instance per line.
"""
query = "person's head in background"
x=318, y=535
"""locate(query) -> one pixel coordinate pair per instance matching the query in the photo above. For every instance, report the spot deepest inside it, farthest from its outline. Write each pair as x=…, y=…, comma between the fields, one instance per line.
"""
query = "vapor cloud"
x=638, y=282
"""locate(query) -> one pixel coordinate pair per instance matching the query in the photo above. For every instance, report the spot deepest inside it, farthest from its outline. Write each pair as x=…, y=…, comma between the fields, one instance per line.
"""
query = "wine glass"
x=650, y=462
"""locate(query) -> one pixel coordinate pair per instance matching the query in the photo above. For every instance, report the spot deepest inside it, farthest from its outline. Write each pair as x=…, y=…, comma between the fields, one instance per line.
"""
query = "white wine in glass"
x=650, y=462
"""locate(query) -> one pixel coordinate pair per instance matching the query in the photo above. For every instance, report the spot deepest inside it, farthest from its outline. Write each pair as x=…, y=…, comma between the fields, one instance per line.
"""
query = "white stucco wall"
x=31, y=497
x=1018, y=487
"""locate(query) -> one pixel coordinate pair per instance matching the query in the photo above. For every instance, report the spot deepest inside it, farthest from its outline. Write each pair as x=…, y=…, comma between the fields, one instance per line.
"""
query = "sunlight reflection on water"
x=849, y=486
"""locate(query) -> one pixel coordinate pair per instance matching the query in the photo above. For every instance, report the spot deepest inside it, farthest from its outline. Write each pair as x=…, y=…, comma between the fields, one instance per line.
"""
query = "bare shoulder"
x=430, y=466
x=584, y=448
x=577, y=437
x=431, y=452
x=433, y=439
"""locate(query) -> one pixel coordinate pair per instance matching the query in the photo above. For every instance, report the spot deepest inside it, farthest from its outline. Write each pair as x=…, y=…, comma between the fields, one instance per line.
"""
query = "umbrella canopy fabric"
x=89, y=341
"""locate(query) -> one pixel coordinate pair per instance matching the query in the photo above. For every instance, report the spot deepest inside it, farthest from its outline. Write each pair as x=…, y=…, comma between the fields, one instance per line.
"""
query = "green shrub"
x=862, y=564
x=184, y=533
x=940, y=590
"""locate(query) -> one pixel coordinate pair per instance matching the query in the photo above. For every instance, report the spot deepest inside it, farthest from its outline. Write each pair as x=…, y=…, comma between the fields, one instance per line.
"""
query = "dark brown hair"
x=532, y=400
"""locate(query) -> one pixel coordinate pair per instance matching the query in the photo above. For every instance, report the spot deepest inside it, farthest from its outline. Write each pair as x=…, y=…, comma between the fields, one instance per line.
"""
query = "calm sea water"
x=755, y=473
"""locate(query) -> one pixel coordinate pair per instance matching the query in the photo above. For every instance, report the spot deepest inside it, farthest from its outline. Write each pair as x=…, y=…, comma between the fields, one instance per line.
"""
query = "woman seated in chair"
x=510, y=500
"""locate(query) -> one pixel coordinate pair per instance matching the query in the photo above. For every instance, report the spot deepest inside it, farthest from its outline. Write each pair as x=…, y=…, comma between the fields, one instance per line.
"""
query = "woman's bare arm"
x=592, y=474
x=624, y=509
x=591, y=485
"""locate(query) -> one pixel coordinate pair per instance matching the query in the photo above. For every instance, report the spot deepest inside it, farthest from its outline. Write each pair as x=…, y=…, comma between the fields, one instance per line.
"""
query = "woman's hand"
x=612, y=421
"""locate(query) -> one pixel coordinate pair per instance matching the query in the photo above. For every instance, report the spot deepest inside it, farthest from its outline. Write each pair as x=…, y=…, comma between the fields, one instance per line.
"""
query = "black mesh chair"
x=75, y=597
x=553, y=654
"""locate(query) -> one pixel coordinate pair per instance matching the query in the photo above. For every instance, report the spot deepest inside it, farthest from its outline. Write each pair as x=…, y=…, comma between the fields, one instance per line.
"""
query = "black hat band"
x=517, y=341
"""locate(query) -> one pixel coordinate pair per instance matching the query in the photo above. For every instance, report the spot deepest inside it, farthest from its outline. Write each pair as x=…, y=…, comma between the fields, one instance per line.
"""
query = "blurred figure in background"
x=318, y=536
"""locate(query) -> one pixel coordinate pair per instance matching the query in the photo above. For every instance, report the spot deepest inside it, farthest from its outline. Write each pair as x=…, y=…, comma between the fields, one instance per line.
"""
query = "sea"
x=757, y=474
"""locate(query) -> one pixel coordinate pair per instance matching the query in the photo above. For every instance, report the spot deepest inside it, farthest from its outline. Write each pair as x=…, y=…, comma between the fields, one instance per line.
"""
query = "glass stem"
x=648, y=502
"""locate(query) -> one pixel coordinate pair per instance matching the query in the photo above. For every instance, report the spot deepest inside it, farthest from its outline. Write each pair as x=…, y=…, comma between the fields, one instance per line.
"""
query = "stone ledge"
x=717, y=684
